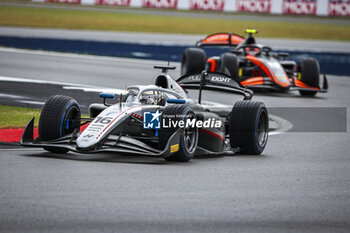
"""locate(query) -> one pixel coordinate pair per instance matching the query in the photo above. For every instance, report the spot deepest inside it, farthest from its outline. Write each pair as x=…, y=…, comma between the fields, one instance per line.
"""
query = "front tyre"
x=249, y=126
x=189, y=136
x=59, y=117
x=310, y=74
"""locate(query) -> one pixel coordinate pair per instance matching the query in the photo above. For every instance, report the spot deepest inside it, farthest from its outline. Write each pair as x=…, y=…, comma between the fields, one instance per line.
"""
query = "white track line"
x=83, y=56
x=68, y=86
x=284, y=125
x=21, y=149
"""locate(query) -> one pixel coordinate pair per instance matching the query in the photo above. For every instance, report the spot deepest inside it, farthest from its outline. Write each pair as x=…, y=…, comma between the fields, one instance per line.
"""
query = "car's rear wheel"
x=229, y=65
x=193, y=61
x=189, y=136
x=310, y=75
x=59, y=117
x=249, y=126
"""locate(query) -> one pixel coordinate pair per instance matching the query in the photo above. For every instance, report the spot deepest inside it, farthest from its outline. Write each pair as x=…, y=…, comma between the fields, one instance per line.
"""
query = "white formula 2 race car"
x=156, y=120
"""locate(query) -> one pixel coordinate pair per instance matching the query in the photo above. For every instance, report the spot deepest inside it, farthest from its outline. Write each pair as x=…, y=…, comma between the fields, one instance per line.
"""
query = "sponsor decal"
x=151, y=120
x=220, y=79
x=299, y=7
x=299, y=76
x=261, y=6
x=155, y=120
x=215, y=5
x=174, y=148
x=194, y=78
x=170, y=122
x=65, y=1
x=339, y=7
x=113, y=2
x=213, y=78
x=160, y=3
x=282, y=79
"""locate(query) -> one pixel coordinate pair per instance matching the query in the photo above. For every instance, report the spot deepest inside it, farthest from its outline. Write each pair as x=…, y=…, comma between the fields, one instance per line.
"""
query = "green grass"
x=17, y=117
x=112, y=21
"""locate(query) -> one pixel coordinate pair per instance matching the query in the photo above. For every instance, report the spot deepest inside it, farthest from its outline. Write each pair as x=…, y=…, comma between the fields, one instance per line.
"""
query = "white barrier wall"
x=294, y=7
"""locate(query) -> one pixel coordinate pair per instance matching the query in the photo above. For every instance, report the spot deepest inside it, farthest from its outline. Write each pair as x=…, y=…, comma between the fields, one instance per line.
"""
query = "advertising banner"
x=65, y=1
x=215, y=5
x=294, y=7
x=113, y=2
x=261, y=6
x=339, y=7
x=299, y=7
x=160, y=3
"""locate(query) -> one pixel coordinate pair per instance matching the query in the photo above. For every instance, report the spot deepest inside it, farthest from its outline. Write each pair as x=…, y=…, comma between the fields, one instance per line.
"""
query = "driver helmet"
x=149, y=97
x=153, y=98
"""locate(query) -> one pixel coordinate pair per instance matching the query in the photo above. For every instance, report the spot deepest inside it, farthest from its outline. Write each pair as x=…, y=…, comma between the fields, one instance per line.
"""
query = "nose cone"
x=105, y=123
x=101, y=125
x=85, y=143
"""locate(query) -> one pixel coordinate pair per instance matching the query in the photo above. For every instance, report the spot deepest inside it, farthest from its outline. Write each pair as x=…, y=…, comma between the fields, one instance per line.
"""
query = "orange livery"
x=254, y=66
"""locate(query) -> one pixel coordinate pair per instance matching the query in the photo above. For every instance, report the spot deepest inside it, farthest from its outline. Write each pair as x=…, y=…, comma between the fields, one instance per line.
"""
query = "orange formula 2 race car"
x=255, y=66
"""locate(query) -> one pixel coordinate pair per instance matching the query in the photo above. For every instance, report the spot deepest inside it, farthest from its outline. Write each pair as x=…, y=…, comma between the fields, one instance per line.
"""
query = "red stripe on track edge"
x=14, y=135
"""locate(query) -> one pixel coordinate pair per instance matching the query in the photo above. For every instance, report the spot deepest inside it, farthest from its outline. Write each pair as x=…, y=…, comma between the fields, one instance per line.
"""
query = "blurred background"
x=162, y=29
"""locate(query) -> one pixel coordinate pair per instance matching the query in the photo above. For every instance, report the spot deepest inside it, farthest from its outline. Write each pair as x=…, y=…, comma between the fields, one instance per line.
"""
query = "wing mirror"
x=106, y=96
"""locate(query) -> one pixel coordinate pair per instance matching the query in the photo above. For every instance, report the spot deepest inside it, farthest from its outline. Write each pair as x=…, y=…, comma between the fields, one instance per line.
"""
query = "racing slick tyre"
x=193, y=61
x=189, y=137
x=59, y=117
x=229, y=65
x=249, y=126
x=310, y=74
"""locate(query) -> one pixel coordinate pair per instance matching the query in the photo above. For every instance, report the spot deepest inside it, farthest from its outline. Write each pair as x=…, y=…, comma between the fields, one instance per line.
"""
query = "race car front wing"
x=113, y=143
x=257, y=83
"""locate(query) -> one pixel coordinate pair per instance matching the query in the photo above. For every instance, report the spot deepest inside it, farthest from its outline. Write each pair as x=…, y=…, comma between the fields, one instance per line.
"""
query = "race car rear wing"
x=221, y=39
x=213, y=81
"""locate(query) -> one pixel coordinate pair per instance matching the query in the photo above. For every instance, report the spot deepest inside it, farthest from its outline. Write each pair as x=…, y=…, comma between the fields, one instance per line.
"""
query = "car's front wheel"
x=59, y=117
x=310, y=74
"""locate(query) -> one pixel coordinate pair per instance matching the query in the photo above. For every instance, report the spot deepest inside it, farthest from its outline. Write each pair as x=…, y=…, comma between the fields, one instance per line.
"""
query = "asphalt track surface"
x=301, y=183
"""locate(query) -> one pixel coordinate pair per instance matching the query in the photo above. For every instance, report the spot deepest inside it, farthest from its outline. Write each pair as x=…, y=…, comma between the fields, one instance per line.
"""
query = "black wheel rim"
x=262, y=129
x=71, y=120
x=190, y=135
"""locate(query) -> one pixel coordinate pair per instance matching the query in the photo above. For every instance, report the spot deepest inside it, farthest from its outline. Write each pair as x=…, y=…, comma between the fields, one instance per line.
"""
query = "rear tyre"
x=188, y=139
x=249, y=126
x=193, y=61
x=229, y=65
x=59, y=117
x=310, y=74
